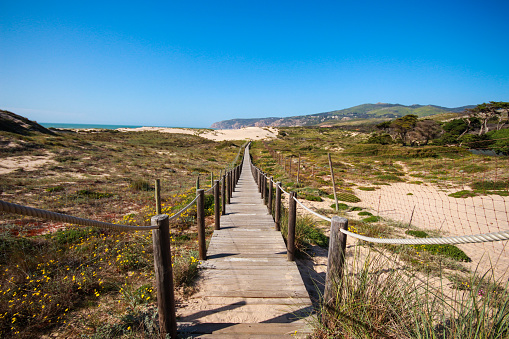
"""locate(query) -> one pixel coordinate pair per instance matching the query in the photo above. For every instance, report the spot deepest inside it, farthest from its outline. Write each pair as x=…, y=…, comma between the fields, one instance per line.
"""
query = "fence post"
x=200, y=220
x=259, y=181
x=277, y=207
x=231, y=183
x=262, y=186
x=217, y=211
x=298, y=171
x=336, y=259
x=292, y=218
x=223, y=196
x=333, y=181
x=234, y=179
x=164, y=275
x=158, y=196
x=211, y=178
x=270, y=196
x=198, y=183
x=228, y=190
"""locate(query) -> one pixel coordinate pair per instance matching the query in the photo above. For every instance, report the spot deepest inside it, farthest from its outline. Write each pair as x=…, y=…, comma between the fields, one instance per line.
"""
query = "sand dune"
x=251, y=133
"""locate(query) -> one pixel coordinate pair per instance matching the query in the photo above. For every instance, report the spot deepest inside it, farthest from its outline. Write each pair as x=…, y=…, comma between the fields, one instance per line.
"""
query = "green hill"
x=356, y=113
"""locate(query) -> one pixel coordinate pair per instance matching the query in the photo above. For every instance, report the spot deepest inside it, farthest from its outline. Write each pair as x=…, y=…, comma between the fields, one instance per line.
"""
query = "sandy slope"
x=252, y=133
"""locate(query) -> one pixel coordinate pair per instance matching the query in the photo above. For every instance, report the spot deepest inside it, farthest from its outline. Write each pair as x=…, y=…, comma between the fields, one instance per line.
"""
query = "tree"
x=384, y=126
x=488, y=111
x=401, y=126
x=427, y=130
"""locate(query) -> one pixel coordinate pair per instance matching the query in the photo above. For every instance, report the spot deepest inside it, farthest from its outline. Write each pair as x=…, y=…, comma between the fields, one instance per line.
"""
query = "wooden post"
x=200, y=220
x=298, y=171
x=223, y=196
x=217, y=211
x=277, y=207
x=231, y=182
x=262, y=186
x=269, y=204
x=228, y=191
x=292, y=218
x=211, y=179
x=164, y=276
x=290, y=161
x=158, y=196
x=336, y=259
x=234, y=172
x=198, y=183
x=333, y=181
x=259, y=181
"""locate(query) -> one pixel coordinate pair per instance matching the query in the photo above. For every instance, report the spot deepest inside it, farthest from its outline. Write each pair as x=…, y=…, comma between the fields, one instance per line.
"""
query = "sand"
x=431, y=208
x=26, y=163
x=247, y=133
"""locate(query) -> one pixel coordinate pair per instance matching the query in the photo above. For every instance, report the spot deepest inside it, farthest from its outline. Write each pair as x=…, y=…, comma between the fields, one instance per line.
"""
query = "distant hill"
x=11, y=122
x=361, y=112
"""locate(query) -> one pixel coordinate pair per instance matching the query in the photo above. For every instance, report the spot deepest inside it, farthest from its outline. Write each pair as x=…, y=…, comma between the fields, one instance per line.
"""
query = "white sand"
x=247, y=133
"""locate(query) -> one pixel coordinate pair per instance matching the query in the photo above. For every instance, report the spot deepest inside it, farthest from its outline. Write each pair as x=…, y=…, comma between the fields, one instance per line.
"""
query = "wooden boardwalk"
x=247, y=288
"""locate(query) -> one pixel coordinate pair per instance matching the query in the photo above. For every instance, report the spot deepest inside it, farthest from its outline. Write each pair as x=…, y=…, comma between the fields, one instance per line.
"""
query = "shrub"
x=141, y=185
x=463, y=194
x=364, y=213
x=55, y=189
x=417, y=234
x=367, y=188
x=312, y=198
x=341, y=206
x=93, y=195
x=371, y=219
x=490, y=185
x=348, y=197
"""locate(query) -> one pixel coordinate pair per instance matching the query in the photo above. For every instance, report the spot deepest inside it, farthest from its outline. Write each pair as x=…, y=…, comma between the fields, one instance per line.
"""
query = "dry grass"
x=84, y=282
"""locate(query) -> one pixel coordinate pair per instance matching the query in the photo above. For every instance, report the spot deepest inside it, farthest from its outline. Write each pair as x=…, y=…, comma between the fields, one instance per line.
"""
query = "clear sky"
x=191, y=63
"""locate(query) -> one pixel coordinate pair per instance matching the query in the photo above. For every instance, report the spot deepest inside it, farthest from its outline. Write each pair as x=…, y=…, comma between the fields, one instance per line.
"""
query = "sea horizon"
x=98, y=126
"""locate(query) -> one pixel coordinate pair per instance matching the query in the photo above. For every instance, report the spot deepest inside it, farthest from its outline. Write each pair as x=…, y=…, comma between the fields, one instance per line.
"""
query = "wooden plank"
x=247, y=275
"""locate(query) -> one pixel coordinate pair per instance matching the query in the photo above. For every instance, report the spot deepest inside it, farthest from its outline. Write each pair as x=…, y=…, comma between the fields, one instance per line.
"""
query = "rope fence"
x=466, y=239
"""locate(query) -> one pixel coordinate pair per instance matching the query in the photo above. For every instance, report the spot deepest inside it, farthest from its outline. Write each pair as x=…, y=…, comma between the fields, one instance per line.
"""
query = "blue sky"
x=191, y=63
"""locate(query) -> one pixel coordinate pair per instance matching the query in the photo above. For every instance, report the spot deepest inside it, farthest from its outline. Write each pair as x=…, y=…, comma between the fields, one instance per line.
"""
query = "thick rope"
x=464, y=239
x=35, y=212
x=176, y=215
x=311, y=211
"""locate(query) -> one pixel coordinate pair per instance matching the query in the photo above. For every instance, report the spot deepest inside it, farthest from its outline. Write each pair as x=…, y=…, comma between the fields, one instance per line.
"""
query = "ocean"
x=84, y=126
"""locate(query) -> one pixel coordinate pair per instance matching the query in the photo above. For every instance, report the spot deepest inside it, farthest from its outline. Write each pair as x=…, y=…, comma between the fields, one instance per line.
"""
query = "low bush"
x=341, y=206
x=463, y=194
x=371, y=219
x=312, y=197
x=343, y=196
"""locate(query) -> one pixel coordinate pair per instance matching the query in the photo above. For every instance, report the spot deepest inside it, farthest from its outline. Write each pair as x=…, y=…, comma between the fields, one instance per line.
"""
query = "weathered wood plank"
x=247, y=277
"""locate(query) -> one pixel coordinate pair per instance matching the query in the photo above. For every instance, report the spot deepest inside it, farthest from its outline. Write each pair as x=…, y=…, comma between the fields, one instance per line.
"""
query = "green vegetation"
x=312, y=198
x=90, y=282
x=343, y=196
x=377, y=300
x=446, y=250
